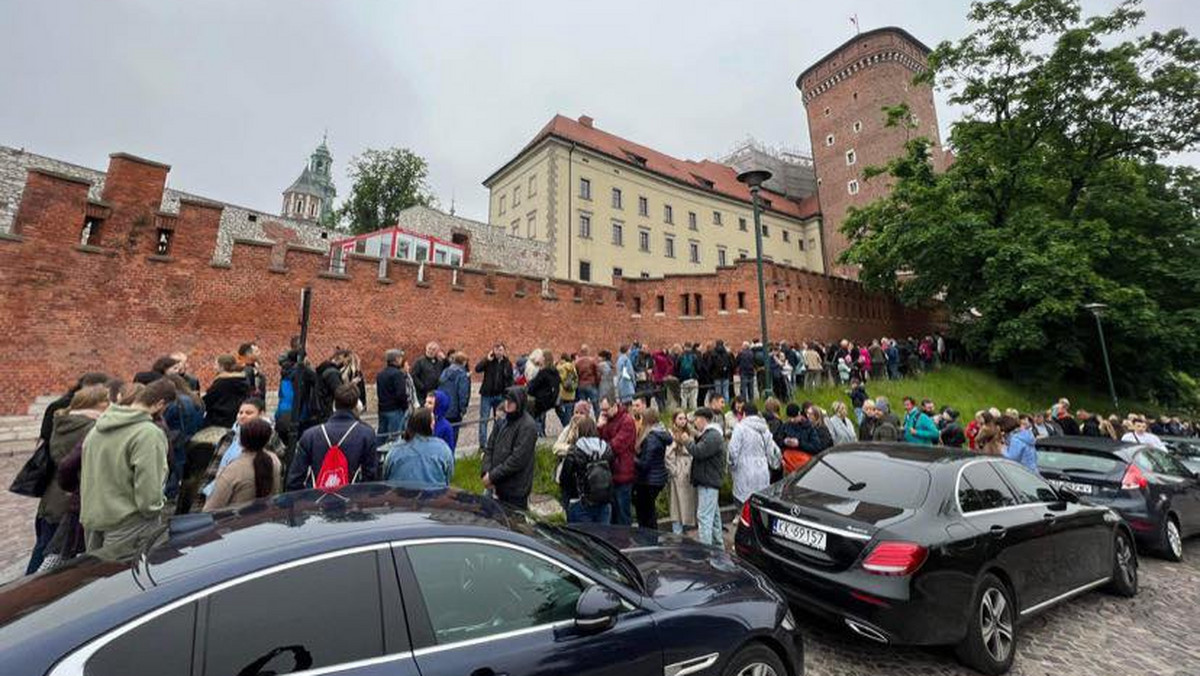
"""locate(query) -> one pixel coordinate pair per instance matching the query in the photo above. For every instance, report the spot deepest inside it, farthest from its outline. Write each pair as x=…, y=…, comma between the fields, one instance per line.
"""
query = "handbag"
x=36, y=474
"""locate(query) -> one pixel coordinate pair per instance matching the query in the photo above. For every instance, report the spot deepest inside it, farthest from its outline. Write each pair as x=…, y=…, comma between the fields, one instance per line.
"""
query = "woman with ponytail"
x=254, y=474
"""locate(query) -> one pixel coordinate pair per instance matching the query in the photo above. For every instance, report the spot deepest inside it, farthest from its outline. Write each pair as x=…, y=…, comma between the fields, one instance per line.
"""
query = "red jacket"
x=662, y=366
x=621, y=435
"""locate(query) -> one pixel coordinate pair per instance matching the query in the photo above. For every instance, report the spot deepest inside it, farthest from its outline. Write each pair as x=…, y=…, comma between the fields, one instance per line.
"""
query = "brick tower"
x=844, y=94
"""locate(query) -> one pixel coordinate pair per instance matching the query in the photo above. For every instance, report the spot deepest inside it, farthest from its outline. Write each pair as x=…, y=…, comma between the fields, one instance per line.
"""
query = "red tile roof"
x=703, y=175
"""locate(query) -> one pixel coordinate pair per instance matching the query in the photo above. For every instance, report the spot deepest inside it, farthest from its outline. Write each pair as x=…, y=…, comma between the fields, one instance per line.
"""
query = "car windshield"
x=866, y=477
x=593, y=551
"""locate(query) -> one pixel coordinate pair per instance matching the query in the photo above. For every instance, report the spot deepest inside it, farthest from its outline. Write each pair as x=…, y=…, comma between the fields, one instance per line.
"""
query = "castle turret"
x=311, y=196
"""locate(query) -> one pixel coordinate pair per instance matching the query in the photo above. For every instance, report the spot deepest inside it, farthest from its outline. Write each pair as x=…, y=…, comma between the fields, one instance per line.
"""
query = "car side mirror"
x=1067, y=495
x=596, y=609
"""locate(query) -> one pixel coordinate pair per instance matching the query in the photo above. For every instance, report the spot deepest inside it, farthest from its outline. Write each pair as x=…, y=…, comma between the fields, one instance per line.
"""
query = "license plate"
x=1081, y=489
x=809, y=537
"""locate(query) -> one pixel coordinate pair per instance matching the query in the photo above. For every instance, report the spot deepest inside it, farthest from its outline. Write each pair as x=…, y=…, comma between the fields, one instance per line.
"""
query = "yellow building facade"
x=610, y=207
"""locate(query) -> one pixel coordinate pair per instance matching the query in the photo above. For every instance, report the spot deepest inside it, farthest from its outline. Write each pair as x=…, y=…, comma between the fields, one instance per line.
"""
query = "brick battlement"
x=115, y=304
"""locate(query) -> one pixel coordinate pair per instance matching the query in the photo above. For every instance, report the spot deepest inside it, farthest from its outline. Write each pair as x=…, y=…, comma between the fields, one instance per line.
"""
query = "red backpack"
x=335, y=471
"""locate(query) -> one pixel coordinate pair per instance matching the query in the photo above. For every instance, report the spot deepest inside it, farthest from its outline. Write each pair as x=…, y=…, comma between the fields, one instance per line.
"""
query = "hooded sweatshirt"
x=1021, y=448
x=69, y=430
x=508, y=459
x=124, y=467
x=749, y=450
x=442, y=429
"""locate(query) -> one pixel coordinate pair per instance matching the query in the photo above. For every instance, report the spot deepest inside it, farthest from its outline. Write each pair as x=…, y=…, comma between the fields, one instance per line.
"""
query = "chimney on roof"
x=586, y=121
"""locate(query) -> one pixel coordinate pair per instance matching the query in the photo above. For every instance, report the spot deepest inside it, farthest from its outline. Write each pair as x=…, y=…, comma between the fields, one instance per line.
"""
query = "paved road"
x=1158, y=632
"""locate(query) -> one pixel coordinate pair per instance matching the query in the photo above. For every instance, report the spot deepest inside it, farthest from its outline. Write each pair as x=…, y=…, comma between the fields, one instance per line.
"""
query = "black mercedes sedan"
x=1156, y=494
x=918, y=545
x=1185, y=450
x=382, y=580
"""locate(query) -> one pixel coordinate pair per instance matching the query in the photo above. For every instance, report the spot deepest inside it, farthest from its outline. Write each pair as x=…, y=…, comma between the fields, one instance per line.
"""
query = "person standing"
x=543, y=389
x=797, y=439
x=497, y=373
x=678, y=462
x=708, y=474
x=254, y=474
x=858, y=394
x=951, y=434
x=509, y=458
x=419, y=459
x=343, y=429
x=626, y=378
x=248, y=355
x=607, y=388
x=124, y=468
x=618, y=429
x=226, y=393
x=586, y=478
x=183, y=418
x=1140, y=434
x=685, y=373
x=745, y=371
x=568, y=388
x=920, y=428
x=328, y=381
x=813, y=367
x=650, y=468
x=1021, y=444
x=840, y=427
x=752, y=452
x=391, y=395
x=455, y=383
x=589, y=377
x=427, y=370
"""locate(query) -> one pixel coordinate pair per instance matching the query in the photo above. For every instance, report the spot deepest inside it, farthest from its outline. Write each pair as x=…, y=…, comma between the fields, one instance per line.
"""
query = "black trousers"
x=644, y=498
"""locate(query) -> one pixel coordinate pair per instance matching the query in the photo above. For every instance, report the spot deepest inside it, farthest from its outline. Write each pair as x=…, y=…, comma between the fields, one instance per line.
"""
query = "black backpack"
x=595, y=481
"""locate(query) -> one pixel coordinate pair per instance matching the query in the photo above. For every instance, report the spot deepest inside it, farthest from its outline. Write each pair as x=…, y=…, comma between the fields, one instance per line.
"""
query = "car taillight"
x=1133, y=479
x=895, y=558
x=745, y=518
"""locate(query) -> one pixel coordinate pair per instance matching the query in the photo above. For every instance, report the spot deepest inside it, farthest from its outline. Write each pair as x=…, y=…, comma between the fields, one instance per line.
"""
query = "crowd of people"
x=126, y=453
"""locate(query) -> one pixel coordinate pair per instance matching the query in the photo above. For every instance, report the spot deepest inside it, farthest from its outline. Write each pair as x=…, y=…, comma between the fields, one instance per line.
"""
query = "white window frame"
x=857, y=126
x=852, y=186
x=585, y=231
x=830, y=140
x=851, y=157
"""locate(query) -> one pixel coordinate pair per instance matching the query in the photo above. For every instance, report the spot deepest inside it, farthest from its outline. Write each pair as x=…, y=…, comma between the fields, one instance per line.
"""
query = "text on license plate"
x=809, y=537
x=1081, y=489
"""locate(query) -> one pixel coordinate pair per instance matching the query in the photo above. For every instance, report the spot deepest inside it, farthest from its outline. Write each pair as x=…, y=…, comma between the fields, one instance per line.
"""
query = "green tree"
x=385, y=183
x=1055, y=198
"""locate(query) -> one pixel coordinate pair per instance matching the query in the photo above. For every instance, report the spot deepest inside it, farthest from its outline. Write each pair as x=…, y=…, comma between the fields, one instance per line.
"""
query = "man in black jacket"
x=497, y=373
x=508, y=460
x=427, y=370
x=708, y=474
x=391, y=389
x=329, y=379
x=344, y=430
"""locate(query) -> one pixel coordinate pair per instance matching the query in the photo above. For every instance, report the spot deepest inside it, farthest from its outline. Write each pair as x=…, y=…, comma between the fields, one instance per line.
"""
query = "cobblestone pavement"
x=1158, y=632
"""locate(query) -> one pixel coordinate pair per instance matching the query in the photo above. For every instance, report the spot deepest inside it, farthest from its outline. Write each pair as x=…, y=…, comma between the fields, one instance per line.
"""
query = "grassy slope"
x=965, y=389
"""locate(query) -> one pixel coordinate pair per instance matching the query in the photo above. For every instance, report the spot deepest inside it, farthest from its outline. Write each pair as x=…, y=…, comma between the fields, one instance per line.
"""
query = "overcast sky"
x=235, y=94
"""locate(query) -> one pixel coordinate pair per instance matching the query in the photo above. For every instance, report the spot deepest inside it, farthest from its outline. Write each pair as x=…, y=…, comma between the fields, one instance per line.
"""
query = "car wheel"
x=1125, y=567
x=1172, y=539
x=755, y=660
x=992, y=631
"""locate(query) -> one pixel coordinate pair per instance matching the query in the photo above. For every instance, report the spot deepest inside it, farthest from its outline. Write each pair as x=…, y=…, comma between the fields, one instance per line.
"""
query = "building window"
x=616, y=198
x=802, y=244
x=722, y=256
x=643, y=206
x=531, y=225
x=585, y=271
x=852, y=186
x=585, y=226
x=618, y=272
x=516, y=227
x=644, y=240
x=90, y=234
x=742, y=224
x=696, y=304
x=716, y=218
x=692, y=220
x=694, y=252
x=162, y=244
x=766, y=230
x=742, y=253
x=585, y=189
x=818, y=182
x=618, y=234
x=503, y=204
x=669, y=247
x=533, y=185
x=741, y=300
x=668, y=214
x=787, y=236
x=516, y=195
x=829, y=140
x=722, y=302
x=685, y=303
x=851, y=158
x=645, y=275
x=637, y=305
x=857, y=126
x=660, y=304
x=826, y=111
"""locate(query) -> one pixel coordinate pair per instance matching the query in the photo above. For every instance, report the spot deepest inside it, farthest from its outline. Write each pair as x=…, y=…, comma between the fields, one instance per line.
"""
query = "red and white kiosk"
x=397, y=242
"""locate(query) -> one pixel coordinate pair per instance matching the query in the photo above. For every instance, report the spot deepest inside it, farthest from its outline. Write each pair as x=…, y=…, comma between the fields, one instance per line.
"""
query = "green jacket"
x=926, y=430
x=69, y=430
x=124, y=467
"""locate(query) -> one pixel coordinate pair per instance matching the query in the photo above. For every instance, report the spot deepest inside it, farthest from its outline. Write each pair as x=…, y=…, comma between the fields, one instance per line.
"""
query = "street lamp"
x=754, y=179
x=1096, y=309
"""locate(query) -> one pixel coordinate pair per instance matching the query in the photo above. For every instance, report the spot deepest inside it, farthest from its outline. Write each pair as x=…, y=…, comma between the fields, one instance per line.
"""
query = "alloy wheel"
x=1126, y=562
x=757, y=669
x=1174, y=539
x=995, y=624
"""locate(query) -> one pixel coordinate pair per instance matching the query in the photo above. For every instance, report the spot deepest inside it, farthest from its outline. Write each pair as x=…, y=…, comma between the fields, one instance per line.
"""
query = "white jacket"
x=750, y=451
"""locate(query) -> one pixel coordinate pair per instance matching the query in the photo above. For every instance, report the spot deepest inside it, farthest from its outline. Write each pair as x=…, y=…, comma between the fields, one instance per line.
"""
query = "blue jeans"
x=565, y=409
x=858, y=414
x=622, y=504
x=487, y=408
x=747, y=387
x=591, y=395
x=44, y=532
x=577, y=512
x=708, y=517
x=721, y=387
x=391, y=424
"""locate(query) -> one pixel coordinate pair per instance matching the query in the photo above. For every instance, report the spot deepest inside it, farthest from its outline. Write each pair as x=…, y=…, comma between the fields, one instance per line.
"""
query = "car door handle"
x=1049, y=517
x=998, y=531
x=487, y=671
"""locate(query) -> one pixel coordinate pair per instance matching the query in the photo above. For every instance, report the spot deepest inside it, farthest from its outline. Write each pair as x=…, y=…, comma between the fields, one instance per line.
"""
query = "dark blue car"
x=382, y=580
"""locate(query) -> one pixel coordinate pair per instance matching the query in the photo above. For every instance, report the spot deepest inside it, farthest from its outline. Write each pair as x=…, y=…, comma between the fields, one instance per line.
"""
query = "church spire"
x=311, y=196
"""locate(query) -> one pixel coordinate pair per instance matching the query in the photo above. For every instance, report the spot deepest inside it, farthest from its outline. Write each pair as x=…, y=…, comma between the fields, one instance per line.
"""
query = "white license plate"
x=809, y=537
x=1081, y=489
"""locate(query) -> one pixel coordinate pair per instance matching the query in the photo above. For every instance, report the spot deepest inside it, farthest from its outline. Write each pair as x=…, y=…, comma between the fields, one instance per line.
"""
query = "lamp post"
x=1096, y=309
x=754, y=179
